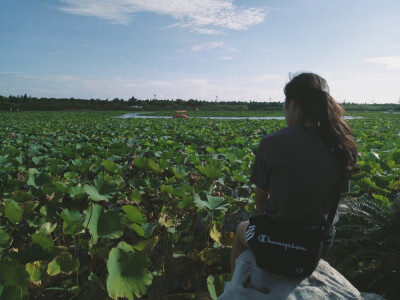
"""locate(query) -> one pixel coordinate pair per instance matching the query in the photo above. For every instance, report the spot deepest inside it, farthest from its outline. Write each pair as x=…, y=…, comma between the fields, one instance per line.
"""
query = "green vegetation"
x=93, y=205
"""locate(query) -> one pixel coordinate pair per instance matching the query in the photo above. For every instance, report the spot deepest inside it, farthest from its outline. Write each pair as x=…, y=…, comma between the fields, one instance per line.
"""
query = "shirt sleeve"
x=259, y=173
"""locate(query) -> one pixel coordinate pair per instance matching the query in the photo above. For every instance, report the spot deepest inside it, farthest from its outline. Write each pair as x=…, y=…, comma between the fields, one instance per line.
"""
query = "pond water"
x=138, y=116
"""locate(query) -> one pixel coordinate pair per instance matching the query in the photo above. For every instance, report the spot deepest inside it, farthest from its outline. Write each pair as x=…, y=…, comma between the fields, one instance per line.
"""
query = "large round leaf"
x=42, y=239
x=5, y=240
x=13, y=211
x=205, y=201
x=22, y=196
x=73, y=221
x=127, y=272
x=106, y=224
x=134, y=215
x=111, y=224
x=38, y=180
x=13, y=274
x=102, y=190
x=36, y=270
x=11, y=292
x=110, y=166
x=64, y=262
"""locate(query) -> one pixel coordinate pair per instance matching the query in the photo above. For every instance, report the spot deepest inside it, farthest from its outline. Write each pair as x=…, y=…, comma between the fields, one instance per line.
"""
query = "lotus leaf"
x=36, y=270
x=73, y=221
x=127, y=272
x=64, y=262
x=102, y=190
x=14, y=279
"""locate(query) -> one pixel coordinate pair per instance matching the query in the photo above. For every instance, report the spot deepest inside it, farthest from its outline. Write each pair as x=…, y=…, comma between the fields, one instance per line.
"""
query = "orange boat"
x=181, y=114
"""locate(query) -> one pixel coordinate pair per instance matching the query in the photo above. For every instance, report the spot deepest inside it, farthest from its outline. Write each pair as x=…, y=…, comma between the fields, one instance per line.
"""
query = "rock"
x=250, y=282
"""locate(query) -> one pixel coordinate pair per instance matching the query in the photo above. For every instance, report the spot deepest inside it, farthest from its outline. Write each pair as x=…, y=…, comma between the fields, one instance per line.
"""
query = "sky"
x=240, y=50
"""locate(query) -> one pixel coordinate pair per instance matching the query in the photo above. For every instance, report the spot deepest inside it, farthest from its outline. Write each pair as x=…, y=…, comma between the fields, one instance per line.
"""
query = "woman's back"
x=299, y=172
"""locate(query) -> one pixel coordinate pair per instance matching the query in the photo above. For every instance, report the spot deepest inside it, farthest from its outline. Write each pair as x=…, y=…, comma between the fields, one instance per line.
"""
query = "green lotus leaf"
x=13, y=274
x=64, y=262
x=11, y=292
x=102, y=190
x=116, y=180
x=231, y=157
x=110, y=166
x=164, y=164
x=212, y=169
x=22, y=196
x=71, y=175
x=4, y=163
x=141, y=162
x=61, y=187
x=92, y=220
x=205, y=201
x=210, y=150
x=32, y=252
x=39, y=180
x=37, y=159
x=76, y=191
x=43, y=240
x=134, y=215
x=12, y=211
x=29, y=206
x=36, y=270
x=73, y=221
x=5, y=240
x=47, y=228
x=179, y=172
x=146, y=245
x=128, y=276
x=138, y=229
x=149, y=228
x=111, y=224
x=153, y=165
x=135, y=196
x=138, y=183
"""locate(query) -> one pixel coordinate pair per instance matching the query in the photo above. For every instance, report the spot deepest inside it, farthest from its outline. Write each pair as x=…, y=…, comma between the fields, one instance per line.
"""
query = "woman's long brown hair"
x=311, y=92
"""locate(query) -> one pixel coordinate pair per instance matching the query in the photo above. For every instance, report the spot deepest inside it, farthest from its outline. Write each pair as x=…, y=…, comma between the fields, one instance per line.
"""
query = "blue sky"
x=168, y=49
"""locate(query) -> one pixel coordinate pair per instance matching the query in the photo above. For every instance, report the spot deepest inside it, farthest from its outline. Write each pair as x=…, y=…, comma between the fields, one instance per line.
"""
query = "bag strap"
x=335, y=202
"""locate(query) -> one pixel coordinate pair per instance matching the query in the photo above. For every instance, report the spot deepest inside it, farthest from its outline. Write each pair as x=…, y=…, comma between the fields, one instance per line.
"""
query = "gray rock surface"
x=250, y=282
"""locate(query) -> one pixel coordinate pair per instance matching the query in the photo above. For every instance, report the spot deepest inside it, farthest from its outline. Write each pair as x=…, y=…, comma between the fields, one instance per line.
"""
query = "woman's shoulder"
x=279, y=135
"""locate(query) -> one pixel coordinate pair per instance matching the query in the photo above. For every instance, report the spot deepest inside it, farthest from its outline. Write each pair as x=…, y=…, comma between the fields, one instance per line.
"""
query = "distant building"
x=135, y=107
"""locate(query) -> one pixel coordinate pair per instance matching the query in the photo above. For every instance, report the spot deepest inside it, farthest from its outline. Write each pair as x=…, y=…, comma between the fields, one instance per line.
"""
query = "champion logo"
x=266, y=239
x=250, y=232
x=299, y=270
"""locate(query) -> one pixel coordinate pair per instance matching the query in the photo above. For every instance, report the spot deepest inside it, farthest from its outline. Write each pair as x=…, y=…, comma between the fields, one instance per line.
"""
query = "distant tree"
x=132, y=101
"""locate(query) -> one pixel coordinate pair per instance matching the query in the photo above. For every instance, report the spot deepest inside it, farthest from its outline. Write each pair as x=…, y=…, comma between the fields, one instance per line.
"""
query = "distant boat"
x=181, y=114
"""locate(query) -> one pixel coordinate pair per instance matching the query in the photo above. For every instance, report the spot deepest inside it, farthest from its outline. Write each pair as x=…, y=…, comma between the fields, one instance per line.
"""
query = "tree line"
x=28, y=103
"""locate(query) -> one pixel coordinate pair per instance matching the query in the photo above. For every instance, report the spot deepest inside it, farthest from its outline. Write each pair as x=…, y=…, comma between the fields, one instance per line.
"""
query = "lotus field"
x=96, y=206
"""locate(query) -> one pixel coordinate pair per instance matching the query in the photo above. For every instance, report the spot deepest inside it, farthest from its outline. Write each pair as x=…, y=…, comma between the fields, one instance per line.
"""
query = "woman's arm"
x=260, y=198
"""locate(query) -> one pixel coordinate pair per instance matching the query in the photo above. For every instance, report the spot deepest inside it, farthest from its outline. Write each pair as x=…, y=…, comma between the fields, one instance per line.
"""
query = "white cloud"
x=203, y=16
x=227, y=58
x=207, y=46
x=390, y=62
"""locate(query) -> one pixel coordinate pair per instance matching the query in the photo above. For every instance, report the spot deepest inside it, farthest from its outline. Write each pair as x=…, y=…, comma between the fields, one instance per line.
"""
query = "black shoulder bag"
x=290, y=250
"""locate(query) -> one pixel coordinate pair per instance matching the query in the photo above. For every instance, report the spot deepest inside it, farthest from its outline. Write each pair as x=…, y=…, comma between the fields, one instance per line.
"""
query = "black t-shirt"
x=300, y=174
